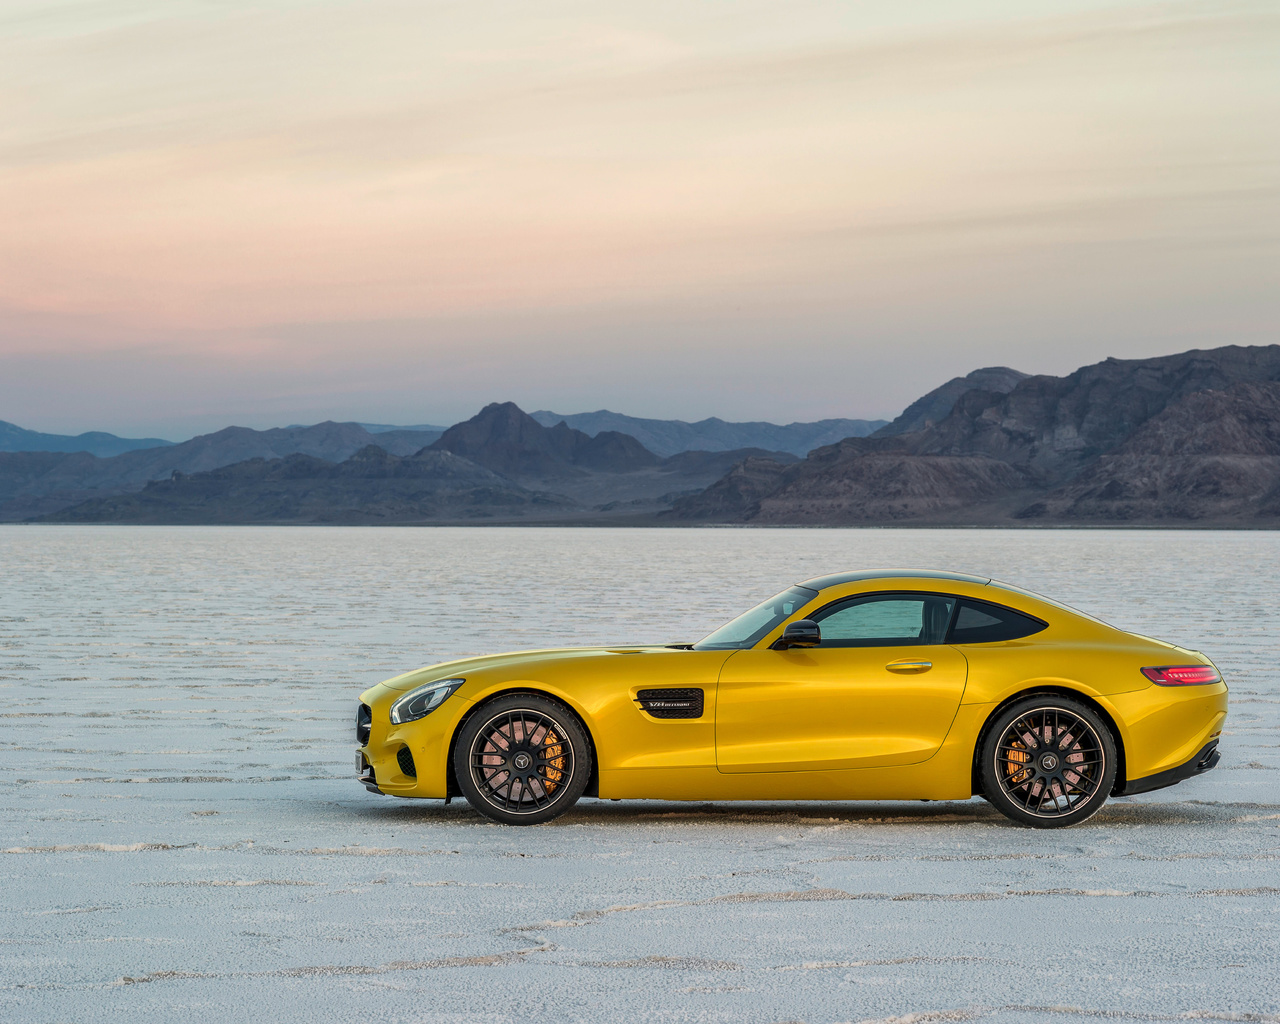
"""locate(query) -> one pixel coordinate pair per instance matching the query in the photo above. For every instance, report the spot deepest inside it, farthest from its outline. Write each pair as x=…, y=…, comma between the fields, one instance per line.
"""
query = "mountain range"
x=499, y=465
x=662, y=437
x=1192, y=438
x=43, y=473
x=41, y=482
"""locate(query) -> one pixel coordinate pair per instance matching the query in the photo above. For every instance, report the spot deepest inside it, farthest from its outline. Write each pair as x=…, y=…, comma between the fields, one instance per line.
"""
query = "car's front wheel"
x=1048, y=761
x=522, y=759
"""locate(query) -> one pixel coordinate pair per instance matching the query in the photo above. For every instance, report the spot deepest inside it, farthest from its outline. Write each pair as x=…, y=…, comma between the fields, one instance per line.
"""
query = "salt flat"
x=182, y=838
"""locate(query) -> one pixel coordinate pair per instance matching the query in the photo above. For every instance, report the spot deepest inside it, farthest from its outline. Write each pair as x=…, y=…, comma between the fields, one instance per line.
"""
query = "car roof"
x=999, y=591
x=839, y=578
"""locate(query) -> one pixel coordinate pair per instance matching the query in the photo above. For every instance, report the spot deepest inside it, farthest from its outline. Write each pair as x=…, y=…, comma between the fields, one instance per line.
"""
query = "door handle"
x=910, y=665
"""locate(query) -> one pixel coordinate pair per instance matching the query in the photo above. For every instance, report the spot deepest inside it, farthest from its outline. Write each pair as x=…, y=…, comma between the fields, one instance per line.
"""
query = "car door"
x=881, y=689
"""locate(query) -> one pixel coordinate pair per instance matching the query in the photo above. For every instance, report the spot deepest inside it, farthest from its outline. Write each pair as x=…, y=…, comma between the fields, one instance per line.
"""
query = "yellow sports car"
x=883, y=685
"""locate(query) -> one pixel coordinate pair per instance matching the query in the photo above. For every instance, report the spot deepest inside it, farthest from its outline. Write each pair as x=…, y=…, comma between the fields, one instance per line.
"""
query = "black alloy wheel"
x=1048, y=761
x=522, y=759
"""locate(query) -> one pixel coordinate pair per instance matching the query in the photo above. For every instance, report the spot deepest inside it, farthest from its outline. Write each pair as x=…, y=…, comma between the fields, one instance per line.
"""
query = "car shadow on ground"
x=630, y=813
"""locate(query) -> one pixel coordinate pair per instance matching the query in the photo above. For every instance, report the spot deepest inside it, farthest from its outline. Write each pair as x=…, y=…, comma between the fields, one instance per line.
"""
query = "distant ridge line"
x=14, y=438
x=669, y=437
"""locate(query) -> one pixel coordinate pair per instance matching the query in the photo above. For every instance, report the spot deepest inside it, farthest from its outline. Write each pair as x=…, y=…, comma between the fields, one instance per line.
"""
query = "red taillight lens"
x=1183, y=675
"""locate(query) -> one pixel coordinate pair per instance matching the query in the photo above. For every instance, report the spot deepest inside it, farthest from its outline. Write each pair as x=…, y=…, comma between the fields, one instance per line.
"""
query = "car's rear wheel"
x=522, y=759
x=1048, y=761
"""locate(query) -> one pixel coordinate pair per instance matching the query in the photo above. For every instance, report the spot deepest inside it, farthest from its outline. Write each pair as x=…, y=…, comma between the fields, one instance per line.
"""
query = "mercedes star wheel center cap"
x=1049, y=762
x=521, y=761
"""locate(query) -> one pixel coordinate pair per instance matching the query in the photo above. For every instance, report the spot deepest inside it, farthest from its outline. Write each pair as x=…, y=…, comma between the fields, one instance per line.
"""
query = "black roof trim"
x=839, y=578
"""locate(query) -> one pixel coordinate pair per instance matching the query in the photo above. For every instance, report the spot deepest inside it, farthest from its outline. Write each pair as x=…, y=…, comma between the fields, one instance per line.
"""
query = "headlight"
x=421, y=702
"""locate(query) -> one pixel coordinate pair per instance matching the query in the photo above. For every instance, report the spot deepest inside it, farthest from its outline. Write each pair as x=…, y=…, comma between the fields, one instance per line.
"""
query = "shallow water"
x=182, y=834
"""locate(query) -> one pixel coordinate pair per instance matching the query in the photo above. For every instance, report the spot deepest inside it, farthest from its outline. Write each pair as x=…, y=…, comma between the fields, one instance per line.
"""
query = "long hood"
x=464, y=667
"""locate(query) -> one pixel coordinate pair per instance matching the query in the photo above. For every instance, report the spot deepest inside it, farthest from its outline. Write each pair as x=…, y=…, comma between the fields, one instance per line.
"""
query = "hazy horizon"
x=299, y=210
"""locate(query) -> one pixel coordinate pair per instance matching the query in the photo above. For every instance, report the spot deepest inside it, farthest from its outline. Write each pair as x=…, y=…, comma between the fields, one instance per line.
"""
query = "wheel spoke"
x=1085, y=784
x=1031, y=792
x=1026, y=733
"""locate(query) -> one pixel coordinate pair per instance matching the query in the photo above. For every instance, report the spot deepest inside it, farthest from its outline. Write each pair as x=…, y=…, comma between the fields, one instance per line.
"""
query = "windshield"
x=747, y=629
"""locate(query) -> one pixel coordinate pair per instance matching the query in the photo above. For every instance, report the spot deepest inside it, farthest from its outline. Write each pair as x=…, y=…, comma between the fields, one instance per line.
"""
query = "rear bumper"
x=1207, y=758
x=1164, y=728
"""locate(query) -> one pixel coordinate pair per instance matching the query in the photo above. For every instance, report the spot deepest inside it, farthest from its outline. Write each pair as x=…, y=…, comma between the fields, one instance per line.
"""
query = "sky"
x=276, y=212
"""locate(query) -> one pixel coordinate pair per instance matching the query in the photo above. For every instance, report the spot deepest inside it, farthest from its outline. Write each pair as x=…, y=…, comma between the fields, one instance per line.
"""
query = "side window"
x=980, y=623
x=885, y=620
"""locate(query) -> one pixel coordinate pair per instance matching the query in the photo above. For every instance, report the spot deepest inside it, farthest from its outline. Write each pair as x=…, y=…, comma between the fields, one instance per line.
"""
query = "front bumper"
x=409, y=759
x=365, y=773
x=1207, y=758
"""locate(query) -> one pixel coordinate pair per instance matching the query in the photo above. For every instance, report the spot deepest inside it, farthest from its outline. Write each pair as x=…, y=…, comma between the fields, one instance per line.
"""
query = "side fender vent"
x=671, y=703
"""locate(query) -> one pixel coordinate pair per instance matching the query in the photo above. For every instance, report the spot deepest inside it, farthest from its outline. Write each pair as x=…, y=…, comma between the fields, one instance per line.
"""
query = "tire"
x=522, y=759
x=1048, y=761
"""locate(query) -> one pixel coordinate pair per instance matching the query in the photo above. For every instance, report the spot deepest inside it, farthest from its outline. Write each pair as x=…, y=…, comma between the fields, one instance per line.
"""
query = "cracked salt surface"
x=180, y=837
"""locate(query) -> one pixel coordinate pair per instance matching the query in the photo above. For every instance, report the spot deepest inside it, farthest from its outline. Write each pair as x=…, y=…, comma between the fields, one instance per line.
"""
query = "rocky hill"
x=859, y=480
x=1176, y=438
x=1052, y=427
x=938, y=403
x=669, y=437
x=610, y=470
x=507, y=440
x=1213, y=456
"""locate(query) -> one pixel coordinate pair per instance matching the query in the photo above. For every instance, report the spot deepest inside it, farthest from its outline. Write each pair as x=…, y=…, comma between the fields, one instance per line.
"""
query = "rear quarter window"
x=978, y=622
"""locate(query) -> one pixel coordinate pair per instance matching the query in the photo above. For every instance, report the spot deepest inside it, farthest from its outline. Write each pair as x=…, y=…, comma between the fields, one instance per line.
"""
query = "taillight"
x=1183, y=675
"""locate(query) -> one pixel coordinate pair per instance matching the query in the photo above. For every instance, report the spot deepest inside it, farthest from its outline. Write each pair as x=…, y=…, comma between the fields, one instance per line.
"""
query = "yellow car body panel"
x=829, y=724
x=790, y=710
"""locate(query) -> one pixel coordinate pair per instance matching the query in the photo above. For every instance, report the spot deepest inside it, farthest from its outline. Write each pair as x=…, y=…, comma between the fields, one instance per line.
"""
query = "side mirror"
x=801, y=633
